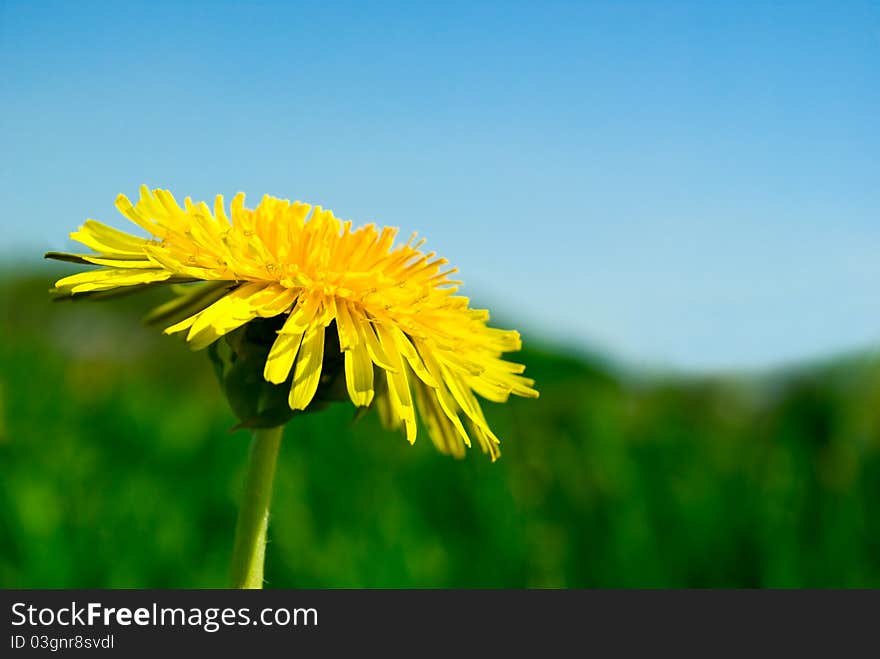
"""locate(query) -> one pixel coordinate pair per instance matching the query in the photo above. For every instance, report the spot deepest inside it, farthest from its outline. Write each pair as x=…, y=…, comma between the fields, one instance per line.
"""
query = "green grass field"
x=118, y=469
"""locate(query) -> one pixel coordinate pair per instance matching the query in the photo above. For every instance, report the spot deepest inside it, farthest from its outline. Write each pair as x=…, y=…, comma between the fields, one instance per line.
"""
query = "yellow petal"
x=412, y=356
x=287, y=344
x=377, y=352
x=225, y=315
x=302, y=316
x=444, y=399
x=189, y=301
x=458, y=390
x=382, y=402
x=109, y=241
x=440, y=429
x=136, y=214
x=105, y=280
x=307, y=372
x=281, y=356
x=349, y=336
x=398, y=385
x=278, y=305
x=359, y=375
x=142, y=263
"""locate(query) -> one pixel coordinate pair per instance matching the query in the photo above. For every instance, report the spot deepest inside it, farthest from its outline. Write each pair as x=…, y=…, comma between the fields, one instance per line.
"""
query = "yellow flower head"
x=407, y=340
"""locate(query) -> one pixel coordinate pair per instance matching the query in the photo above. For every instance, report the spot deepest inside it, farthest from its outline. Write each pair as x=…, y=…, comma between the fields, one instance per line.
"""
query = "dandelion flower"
x=408, y=342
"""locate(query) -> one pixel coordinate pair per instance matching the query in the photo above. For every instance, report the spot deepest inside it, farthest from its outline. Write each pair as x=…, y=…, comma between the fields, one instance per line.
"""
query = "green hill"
x=118, y=469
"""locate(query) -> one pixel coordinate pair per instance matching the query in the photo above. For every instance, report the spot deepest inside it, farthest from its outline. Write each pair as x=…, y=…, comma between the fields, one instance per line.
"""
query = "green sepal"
x=190, y=300
x=239, y=359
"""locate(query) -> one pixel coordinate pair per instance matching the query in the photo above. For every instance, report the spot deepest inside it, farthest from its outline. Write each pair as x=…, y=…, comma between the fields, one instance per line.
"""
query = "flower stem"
x=249, y=553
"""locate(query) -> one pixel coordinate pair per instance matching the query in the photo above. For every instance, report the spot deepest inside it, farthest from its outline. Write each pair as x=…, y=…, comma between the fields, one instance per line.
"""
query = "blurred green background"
x=118, y=469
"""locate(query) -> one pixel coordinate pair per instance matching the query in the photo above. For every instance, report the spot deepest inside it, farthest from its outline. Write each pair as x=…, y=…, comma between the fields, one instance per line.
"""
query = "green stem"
x=249, y=552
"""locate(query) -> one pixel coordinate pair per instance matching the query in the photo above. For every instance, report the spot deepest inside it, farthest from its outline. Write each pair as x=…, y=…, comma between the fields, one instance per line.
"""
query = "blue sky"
x=693, y=185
